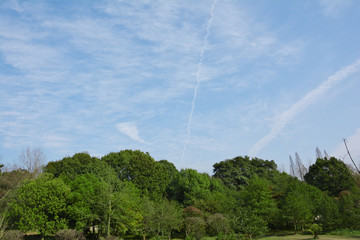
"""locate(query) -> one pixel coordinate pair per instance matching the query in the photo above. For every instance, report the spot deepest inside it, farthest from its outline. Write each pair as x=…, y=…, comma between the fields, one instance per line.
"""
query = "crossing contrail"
x=199, y=66
x=303, y=103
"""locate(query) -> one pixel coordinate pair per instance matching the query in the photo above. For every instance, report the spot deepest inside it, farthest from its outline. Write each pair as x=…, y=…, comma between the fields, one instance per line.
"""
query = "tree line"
x=128, y=194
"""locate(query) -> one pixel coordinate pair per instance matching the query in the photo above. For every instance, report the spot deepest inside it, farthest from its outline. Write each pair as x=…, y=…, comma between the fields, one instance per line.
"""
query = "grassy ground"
x=308, y=237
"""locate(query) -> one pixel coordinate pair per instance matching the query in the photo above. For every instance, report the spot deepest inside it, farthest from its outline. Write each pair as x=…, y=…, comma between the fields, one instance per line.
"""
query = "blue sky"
x=193, y=82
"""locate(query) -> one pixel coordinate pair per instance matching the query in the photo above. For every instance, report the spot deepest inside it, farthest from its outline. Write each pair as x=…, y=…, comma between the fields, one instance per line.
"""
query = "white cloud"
x=281, y=121
x=130, y=129
x=333, y=8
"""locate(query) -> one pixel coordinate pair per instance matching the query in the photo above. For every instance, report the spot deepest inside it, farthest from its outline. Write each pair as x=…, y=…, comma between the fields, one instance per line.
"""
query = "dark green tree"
x=236, y=172
x=141, y=169
x=349, y=209
x=192, y=186
x=330, y=175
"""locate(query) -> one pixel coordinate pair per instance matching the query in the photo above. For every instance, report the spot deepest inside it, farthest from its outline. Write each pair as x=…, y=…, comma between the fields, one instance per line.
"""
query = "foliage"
x=249, y=224
x=83, y=209
x=349, y=209
x=40, y=205
x=330, y=175
x=257, y=197
x=13, y=235
x=299, y=207
x=315, y=229
x=142, y=170
x=236, y=172
x=128, y=193
x=195, y=227
x=163, y=217
x=69, y=234
x=118, y=207
x=218, y=224
x=329, y=217
x=192, y=186
x=79, y=163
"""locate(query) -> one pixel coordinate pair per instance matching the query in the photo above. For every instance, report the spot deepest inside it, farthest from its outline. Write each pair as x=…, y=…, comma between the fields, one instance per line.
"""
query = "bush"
x=13, y=235
x=316, y=229
x=69, y=234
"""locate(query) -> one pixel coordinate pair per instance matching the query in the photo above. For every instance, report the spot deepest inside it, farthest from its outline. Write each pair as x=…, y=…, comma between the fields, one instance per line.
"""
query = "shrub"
x=13, y=235
x=69, y=234
x=316, y=229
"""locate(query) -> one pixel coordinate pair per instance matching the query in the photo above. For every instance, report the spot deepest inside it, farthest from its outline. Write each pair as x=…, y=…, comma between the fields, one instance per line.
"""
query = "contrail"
x=303, y=103
x=199, y=66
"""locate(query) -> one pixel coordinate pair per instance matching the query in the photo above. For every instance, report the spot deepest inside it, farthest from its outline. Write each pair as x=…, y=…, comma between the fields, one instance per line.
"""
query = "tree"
x=316, y=229
x=244, y=221
x=236, y=172
x=163, y=217
x=331, y=175
x=301, y=205
x=296, y=209
x=218, y=224
x=40, y=205
x=192, y=186
x=257, y=197
x=119, y=207
x=173, y=174
x=83, y=208
x=349, y=209
x=141, y=169
x=328, y=213
x=79, y=163
x=298, y=169
x=33, y=161
x=195, y=227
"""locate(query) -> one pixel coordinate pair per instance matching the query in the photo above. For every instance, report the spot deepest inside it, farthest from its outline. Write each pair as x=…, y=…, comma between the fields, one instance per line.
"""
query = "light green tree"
x=40, y=205
x=162, y=218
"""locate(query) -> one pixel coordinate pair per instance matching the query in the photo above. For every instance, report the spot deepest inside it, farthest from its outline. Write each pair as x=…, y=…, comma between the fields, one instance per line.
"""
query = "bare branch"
x=33, y=160
x=347, y=149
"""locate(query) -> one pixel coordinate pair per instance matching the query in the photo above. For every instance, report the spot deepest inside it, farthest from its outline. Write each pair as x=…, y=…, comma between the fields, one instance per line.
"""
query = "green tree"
x=328, y=213
x=257, y=197
x=40, y=205
x=302, y=203
x=236, y=172
x=83, y=208
x=119, y=207
x=163, y=217
x=349, y=209
x=192, y=186
x=331, y=175
x=244, y=221
x=195, y=227
x=141, y=169
x=218, y=224
x=173, y=174
x=79, y=163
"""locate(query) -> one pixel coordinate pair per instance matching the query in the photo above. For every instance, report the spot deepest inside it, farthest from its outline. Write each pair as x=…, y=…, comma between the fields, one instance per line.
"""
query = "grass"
x=308, y=237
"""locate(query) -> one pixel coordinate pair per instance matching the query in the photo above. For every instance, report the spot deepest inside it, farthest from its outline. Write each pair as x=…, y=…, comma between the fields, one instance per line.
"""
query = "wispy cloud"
x=333, y=8
x=130, y=129
x=281, y=121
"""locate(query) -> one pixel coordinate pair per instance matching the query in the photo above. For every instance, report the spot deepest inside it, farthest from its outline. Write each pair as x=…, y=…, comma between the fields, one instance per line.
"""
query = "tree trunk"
x=109, y=219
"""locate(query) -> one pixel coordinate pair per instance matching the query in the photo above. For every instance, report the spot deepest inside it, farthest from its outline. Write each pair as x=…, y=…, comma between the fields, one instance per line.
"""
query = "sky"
x=192, y=82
